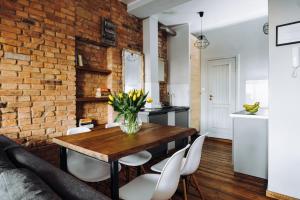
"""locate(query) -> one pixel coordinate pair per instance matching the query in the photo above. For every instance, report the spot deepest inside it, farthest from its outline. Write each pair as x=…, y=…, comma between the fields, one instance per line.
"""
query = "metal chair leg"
x=127, y=173
x=197, y=186
x=97, y=187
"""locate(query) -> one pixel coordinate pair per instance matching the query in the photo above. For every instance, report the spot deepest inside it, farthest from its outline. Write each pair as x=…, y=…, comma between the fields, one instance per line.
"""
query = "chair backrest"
x=169, y=177
x=111, y=125
x=77, y=130
x=73, y=131
x=193, y=157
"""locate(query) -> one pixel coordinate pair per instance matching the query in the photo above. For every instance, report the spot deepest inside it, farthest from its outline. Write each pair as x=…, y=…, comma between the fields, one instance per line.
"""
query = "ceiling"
x=217, y=13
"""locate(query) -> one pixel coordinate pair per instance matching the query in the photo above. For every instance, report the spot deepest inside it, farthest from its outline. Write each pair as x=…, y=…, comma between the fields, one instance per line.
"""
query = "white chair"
x=155, y=186
x=133, y=160
x=83, y=167
x=190, y=164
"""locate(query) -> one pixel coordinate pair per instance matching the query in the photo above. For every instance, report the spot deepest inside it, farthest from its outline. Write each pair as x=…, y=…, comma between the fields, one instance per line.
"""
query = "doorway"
x=221, y=96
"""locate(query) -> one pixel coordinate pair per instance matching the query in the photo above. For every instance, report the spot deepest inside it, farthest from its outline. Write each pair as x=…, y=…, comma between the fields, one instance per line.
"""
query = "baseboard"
x=276, y=195
x=241, y=175
x=220, y=140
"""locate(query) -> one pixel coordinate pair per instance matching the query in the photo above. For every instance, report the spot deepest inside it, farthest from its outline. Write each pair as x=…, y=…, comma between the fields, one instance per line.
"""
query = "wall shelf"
x=92, y=69
x=92, y=99
x=82, y=100
x=91, y=42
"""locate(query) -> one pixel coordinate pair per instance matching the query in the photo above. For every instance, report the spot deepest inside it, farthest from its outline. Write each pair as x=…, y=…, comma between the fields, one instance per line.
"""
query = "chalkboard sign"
x=109, y=33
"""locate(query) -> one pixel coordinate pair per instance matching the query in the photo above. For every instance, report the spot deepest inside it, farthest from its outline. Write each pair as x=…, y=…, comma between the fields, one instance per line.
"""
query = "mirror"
x=133, y=70
x=161, y=69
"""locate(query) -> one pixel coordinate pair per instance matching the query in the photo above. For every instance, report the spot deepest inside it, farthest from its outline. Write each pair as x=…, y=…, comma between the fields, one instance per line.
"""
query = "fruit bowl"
x=252, y=109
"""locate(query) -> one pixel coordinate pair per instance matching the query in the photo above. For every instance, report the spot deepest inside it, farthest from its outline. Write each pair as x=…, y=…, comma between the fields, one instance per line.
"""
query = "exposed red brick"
x=38, y=39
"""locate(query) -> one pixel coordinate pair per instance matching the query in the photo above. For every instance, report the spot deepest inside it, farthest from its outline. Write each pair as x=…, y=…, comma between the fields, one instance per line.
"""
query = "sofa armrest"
x=62, y=183
x=6, y=143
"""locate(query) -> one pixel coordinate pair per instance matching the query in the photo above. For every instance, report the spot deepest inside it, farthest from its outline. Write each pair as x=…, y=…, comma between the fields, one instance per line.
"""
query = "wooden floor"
x=217, y=180
x=215, y=176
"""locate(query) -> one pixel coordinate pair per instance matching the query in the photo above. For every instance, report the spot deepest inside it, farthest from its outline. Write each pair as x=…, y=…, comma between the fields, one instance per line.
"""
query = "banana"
x=249, y=107
x=252, y=108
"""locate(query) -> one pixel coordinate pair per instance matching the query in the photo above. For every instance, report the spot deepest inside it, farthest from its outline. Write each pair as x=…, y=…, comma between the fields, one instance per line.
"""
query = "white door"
x=221, y=97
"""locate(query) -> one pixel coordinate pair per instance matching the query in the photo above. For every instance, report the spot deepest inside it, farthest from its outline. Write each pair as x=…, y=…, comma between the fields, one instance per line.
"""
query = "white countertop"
x=261, y=114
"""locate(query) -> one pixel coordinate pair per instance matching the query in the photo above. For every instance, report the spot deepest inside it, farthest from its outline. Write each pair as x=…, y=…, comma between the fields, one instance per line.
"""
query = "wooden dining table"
x=111, y=144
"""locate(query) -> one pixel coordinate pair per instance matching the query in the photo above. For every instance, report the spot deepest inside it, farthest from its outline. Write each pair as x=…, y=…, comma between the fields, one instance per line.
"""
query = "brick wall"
x=37, y=68
x=37, y=44
x=89, y=15
x=163, y=54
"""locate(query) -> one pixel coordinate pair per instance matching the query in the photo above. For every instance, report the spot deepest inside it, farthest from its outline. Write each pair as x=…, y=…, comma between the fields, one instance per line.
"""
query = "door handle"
x=210, y=97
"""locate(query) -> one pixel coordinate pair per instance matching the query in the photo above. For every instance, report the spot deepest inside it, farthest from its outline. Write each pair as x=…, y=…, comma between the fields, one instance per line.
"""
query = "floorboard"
x=217, y=179
x=215, y=176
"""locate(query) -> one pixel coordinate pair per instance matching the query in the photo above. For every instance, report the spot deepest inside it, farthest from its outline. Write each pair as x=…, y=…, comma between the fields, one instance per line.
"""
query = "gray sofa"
x=24, y=176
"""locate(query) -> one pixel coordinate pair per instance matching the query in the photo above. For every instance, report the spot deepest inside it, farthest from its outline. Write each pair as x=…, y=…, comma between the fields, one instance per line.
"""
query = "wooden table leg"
x=114, y=176
x=63, y=158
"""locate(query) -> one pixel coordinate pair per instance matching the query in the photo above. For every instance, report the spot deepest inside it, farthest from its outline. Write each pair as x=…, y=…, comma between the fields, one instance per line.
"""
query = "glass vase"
x=131, y=125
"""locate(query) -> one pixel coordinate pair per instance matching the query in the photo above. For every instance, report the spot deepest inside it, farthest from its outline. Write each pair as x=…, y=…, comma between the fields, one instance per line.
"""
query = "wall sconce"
x=266, y=28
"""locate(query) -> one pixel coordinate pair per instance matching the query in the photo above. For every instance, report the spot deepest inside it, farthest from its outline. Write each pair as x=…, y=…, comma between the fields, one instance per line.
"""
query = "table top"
x=111, y=143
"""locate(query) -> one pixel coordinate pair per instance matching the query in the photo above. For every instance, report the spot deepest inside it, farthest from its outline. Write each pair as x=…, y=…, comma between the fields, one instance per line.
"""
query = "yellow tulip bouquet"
x=128, y=105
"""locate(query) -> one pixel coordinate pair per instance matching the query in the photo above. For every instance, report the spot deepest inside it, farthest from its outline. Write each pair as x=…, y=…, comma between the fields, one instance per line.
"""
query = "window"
x=257, y=90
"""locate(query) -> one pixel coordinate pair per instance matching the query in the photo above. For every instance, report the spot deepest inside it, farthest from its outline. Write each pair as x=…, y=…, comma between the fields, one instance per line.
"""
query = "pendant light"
x=202, y=41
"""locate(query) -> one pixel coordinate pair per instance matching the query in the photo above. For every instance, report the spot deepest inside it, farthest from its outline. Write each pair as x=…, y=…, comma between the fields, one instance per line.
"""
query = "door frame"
x=204, y=84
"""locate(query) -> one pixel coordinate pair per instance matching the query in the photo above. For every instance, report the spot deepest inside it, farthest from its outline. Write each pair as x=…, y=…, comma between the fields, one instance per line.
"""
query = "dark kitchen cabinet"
x=182, y=120
x=160, y=116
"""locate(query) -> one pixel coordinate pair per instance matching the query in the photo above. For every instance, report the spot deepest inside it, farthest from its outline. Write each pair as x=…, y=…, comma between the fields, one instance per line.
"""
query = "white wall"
x=284, y=120
x=150, y=49
x=179, y=65
x=246, y=41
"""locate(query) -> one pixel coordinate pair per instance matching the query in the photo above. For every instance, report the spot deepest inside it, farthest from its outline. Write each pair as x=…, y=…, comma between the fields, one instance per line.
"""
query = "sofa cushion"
x=5, y=163
x=22, y=184
x=63, y=184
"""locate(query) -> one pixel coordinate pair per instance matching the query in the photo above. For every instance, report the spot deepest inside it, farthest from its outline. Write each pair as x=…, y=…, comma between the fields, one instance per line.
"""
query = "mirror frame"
x=142, y=67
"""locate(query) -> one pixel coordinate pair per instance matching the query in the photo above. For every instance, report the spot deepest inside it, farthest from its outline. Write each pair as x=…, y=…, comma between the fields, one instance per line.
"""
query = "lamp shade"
x=201, y=42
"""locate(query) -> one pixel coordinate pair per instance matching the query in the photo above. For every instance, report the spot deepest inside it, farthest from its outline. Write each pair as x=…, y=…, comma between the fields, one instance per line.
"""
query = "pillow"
x=63, y=184
x=5, y=163
x=22, y=184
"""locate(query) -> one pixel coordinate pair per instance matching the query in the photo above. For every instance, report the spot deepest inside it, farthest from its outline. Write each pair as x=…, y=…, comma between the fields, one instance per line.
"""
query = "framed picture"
x=288, y=33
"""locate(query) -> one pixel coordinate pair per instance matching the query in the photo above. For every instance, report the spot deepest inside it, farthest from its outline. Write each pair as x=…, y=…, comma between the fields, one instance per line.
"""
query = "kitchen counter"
x=163, y=110
x=261, y=114
x=250, y=143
